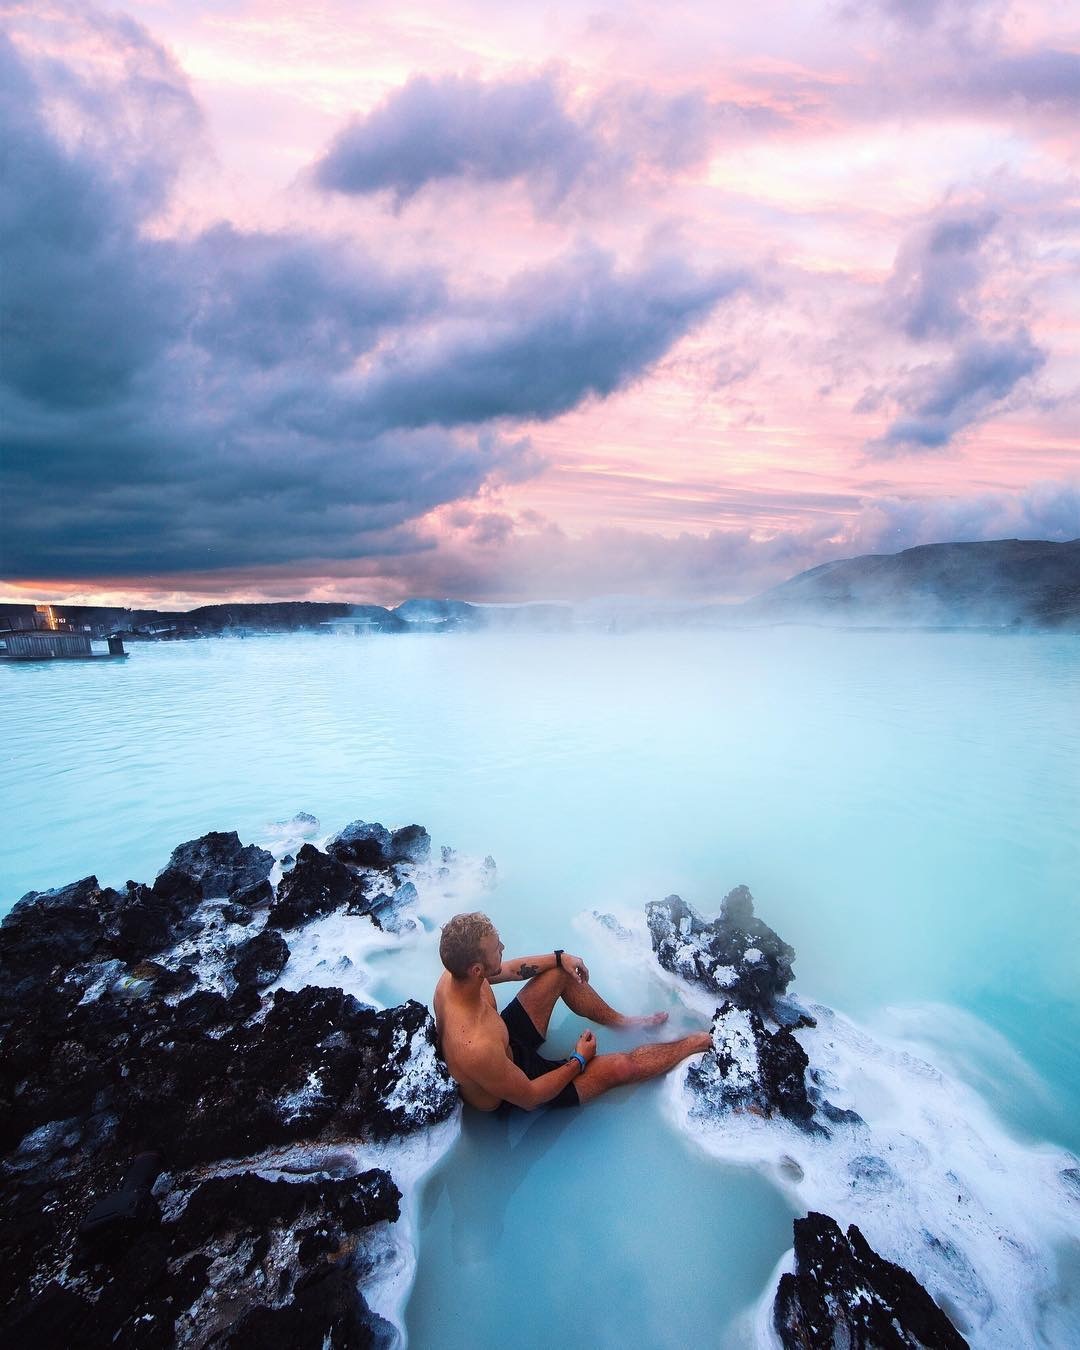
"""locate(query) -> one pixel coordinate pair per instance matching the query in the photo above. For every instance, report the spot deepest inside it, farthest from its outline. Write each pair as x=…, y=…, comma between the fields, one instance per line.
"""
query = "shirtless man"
x=494, y=1058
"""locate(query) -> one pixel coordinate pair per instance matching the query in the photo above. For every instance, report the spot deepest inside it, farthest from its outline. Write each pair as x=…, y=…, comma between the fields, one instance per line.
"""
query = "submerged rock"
x=842, y=1293
x=752, y=1069
x=735, y=956
x=221, y=864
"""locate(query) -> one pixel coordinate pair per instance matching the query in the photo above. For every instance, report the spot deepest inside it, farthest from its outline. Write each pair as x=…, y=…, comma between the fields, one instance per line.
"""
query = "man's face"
x=491, y=953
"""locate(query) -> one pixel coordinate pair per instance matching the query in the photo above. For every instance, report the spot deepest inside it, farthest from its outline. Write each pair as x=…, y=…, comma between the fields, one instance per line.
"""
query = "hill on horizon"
x=993, y=582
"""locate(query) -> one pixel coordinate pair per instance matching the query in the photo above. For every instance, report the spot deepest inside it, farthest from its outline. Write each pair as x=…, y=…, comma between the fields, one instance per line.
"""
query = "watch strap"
x=558, y=958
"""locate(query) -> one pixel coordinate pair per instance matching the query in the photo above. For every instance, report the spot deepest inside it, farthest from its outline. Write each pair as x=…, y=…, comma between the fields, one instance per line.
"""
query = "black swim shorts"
x=524, y=1040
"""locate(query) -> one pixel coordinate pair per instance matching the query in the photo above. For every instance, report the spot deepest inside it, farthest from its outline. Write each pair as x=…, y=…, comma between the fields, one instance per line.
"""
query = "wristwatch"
x=558, y=957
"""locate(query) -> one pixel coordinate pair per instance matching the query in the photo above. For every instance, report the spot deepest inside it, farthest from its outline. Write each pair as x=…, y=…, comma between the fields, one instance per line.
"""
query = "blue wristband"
x=580, y=1059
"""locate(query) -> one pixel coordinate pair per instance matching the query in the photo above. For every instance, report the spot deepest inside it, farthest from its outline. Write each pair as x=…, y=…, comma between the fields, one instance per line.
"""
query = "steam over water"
x=903, y=806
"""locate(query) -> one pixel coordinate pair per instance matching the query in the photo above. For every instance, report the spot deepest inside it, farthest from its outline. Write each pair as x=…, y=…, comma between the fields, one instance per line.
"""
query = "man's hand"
x=576, y=967
x=586, y=1045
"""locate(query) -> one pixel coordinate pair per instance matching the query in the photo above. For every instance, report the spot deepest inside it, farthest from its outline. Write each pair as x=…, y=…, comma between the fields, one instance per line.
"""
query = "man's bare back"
x=494, y=1057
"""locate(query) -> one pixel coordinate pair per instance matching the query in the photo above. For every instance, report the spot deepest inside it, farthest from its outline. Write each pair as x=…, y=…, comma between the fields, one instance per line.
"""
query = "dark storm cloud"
x=85, y=301
x=244, y=398
x=941, y=400
x=579, y=328
x=278, y=298
x=456, y=127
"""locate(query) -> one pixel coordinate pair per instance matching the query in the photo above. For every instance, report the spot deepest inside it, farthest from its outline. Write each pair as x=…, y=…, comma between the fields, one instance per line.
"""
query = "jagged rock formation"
x=316, y=884
x=735, y=956
x=132, y=1021
x=369, y=844
x=221, y=864
x=842, y=1293
x=751, y=1069
x=742, y=960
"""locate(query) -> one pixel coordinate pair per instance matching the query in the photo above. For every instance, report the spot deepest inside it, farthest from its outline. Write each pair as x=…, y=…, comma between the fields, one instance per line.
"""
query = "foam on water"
x=932, y=1177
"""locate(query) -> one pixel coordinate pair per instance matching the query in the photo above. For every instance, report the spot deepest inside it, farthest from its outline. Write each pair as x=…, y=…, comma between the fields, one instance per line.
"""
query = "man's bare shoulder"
x=462, y=1026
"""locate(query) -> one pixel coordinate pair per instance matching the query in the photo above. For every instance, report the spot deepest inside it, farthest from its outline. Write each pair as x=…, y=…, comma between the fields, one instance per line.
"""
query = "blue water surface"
x=904, y=807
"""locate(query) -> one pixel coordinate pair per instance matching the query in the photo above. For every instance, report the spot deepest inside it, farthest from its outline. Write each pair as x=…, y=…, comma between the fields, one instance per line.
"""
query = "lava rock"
x=247, y=1262
x=316, y=885
x=173, y=883
x=221, y=864
x=164, y=980
x=842, y=1293
x=239, y=914
x=752, y=1069
x=392, y=909
x=410, y=844
x=99, y=1063
x=363, y=844
x=260, y=960
x=62, y=927
x=735, y=956
x=255, y=897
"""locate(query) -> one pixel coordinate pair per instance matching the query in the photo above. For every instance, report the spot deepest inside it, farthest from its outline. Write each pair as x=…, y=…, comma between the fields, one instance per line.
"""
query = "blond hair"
x=459, y=946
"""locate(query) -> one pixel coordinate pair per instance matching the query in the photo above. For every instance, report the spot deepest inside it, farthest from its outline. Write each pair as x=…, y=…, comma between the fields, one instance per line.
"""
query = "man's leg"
x=634, y=1066
x=540, y=995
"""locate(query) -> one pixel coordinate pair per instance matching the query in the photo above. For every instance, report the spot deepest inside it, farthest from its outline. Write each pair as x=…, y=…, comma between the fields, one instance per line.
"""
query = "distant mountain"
x=997, y=583
x=1018, y=583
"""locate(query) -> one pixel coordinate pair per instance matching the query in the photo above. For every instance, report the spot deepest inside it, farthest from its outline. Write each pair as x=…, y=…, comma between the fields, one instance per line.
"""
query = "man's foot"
x=656, y=1019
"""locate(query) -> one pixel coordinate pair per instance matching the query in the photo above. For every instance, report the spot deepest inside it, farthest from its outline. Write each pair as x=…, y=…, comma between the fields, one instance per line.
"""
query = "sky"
x=509, y=303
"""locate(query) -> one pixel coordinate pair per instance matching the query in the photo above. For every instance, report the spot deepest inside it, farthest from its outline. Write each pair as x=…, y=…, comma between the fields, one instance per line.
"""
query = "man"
x=494, y=1058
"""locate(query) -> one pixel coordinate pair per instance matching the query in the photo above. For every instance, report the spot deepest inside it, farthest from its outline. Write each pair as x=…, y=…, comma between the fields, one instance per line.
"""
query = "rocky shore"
x=841, y=1293
x=180, y=1148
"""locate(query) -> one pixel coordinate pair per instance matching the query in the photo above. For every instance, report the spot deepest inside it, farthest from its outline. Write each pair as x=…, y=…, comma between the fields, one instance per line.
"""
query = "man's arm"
x=492, y=1071
x=525, y=967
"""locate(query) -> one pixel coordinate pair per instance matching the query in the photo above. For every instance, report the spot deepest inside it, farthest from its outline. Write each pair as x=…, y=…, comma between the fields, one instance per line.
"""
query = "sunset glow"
x=530, y=303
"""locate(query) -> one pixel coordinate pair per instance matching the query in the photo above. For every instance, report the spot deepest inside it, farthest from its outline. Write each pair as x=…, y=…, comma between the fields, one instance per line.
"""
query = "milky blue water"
x=903, y=806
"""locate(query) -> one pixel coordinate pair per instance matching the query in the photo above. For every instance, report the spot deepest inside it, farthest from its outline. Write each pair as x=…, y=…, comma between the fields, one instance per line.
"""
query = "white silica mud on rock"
x=929, y=1176
x=212, y=1031
x=886, y=1141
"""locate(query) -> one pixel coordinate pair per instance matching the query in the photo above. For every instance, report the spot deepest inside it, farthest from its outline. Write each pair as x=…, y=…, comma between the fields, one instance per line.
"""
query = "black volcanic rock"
x=260, y=960
x=735, y=956
x=85, y=922
x=61, y=927
x=316, y=884
x=410, y=844
x=751, y=1069
x=363, y=844
x=221, y=864
x=246, y=1262
x=843, y=1293
x=103, y=1058
x=257, y=896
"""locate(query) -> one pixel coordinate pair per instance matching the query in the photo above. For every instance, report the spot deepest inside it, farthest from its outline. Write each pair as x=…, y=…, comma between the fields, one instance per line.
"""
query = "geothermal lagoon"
x=903, y=806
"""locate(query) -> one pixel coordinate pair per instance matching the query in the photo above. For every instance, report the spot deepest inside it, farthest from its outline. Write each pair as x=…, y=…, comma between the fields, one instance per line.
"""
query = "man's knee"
x=620, y=1067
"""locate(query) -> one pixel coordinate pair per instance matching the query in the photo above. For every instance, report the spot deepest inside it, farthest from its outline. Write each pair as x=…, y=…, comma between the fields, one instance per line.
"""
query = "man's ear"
x=477, y=968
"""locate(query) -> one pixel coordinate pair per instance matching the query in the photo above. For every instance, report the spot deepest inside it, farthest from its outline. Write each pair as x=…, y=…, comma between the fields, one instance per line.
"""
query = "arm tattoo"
x=527, y=971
